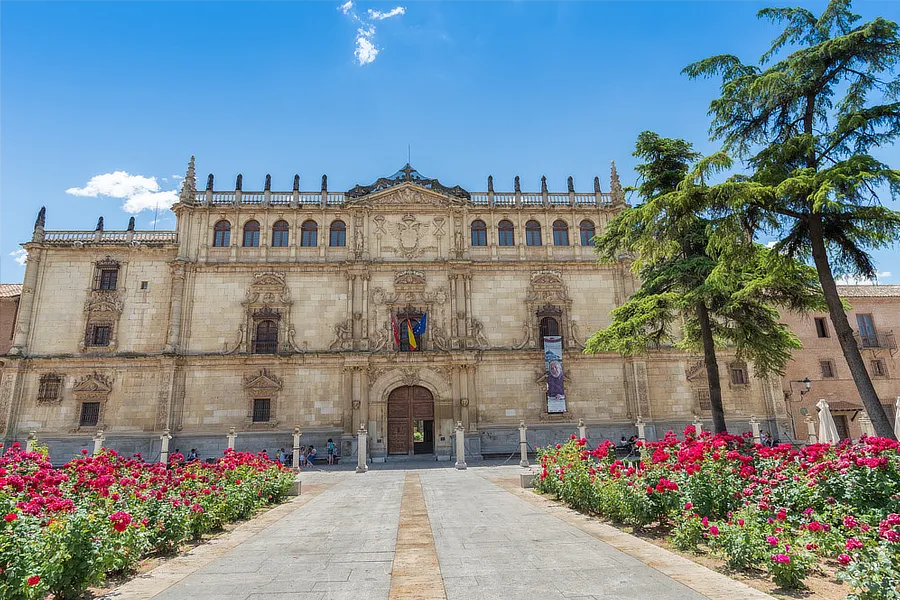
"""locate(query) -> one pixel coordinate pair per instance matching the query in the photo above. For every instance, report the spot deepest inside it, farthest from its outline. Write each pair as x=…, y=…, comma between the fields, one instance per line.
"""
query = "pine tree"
x=694, y=295
x=807, y=121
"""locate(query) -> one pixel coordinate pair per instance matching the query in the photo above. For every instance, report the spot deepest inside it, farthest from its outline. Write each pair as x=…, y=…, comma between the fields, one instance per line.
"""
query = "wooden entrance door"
x=406, y=404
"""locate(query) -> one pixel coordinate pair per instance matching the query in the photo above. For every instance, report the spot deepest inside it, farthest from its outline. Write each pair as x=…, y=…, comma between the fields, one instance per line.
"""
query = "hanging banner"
x=556, y=394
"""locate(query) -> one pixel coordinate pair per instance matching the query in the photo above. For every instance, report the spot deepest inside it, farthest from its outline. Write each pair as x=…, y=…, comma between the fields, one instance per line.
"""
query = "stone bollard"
x=363, y=435
x=640, y=427
x=582, y=430
x=295, y=459
x=810, y=430
x=754, y=430
x=698, y=426
x=523, y=445
x=865, y=426
x=231, y=437
x=460, y=446
x=32, y=440
x=164, y=446
x=98, y=442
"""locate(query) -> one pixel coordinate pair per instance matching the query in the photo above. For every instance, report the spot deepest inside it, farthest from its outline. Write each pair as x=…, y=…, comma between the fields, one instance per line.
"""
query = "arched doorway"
x=410, y=428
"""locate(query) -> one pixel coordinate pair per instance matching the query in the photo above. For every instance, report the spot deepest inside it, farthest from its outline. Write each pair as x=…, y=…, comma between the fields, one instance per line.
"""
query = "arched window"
x=506, y=232
x=338, y=234
x=532, y=233
x=266, y=341
x=251, y=233
x=560, y=233
x=587, y=233
x=309, y=234
x=222, y=234
x=280, y=232
x=549, y=326
x=479, y=233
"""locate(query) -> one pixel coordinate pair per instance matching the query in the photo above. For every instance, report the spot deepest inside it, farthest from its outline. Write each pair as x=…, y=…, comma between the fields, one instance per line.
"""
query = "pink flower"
x=853, y=544
x=844, y=559
x=688, y=506
x=782, y=558
x=34, y=580
x=773, y=541
x=713, y=530
x=9, y=518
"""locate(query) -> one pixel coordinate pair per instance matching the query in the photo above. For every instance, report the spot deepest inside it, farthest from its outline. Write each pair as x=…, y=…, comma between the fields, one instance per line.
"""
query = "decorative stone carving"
x=267, y=298
x=262, y=381
x=410, y=376
x=547, y=296
x=162, y=403
x=263, y=384
x=343, y=336
x=355, y=404
x=464, y=402
x=6, y=390
x=410, y=278
x=95, y=387
x=408, y=232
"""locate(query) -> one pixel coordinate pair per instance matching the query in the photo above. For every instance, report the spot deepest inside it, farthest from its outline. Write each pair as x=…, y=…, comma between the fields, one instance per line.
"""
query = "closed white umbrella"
x=827, y=429
x=897, y=417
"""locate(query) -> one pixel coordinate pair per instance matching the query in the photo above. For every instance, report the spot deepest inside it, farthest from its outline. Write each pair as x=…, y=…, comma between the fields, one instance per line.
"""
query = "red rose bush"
x=65, y=529
x=782, y=510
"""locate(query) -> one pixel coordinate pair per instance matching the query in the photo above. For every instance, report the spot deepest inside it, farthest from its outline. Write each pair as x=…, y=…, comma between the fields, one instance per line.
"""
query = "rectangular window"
x=703, y=399
x=145, y=285
x=261, y=410
x=738, y=376
x=280, y=239
x=867, y=336
x=50, y=387
x=90, y=414
x=108, y=279
x=827, y=369
x=821, y=327
x=100, y=335
x=878, y=369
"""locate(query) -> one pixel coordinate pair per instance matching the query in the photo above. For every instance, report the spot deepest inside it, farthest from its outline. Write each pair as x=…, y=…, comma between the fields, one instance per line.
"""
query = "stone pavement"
x=427, y=534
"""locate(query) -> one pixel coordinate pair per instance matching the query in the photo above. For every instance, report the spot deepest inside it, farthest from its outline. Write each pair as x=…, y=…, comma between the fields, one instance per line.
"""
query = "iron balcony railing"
x=878, y=340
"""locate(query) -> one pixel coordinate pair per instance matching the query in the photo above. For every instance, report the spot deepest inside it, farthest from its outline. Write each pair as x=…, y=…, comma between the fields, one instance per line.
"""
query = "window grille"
x=50, y=387
x=99, y=335
x=266, y=341
x=108, y=279
x=90, y=414
x=261, y=410
x=827, y=369
x=703, y=399
x=738, y=376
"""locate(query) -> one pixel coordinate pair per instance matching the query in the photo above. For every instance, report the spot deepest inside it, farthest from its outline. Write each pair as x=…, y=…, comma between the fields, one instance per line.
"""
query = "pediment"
x=93, y=384
x=408, y=195
x=262, y=381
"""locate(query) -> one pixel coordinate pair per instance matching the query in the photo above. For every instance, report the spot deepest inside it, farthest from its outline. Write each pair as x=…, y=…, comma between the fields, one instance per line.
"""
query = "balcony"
x=877, y=341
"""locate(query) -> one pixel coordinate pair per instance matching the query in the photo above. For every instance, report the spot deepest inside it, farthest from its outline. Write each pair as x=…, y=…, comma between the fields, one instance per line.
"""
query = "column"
x=174, y=336
x=295, y=458
x=363, y=397
x=351, y=413
x=471, y=413
x=467, y=279
x=351, y=279
x=26, y=300
x=164, y=447
x=365, y=308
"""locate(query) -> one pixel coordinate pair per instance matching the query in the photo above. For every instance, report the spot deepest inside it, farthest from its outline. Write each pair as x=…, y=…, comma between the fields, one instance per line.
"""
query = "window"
x=108, y=279
x=506, y=233
x=867, y=335
x=587, y=233
x=827, y=369
x=549, y=326
x=532, y=233
x=145, y=285
x=251, y=234
x=703, y=399
x=738, y=375
x=407, y=321
x=821, y=327
x=90, y=414
x=878, y=369
x=560, y=233
x=99, y=335
x=309, y=234
x=262, y=408
x=222, y=234
x=280, y=232
x=266, y=341
x=338, y=234
x=479, y=233
x=50, y=388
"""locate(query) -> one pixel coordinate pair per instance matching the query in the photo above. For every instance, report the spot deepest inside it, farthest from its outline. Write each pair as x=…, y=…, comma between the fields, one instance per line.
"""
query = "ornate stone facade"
x=269, y=310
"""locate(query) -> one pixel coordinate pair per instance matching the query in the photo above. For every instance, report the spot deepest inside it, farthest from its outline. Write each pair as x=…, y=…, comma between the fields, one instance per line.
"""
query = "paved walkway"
x=429, y=534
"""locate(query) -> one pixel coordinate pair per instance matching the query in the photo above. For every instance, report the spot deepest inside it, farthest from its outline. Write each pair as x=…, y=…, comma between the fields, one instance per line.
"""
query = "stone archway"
x=410, y=420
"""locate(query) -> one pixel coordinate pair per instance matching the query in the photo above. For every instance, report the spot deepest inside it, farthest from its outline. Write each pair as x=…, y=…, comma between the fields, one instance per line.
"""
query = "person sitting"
x=193, y=454
x=311, y=455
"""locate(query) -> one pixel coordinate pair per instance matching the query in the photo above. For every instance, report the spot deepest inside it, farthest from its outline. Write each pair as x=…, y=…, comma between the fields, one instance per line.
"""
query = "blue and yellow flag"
x=419, y=327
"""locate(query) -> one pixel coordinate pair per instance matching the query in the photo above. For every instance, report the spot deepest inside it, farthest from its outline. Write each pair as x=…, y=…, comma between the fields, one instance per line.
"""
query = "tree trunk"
x=844, y=332
x=712, y=369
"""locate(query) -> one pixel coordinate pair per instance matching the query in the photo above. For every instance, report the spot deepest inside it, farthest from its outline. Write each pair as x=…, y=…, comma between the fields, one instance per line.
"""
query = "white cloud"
x=139, y=192
x=365, y=51
x=854, y=280
x=771, y=244
x=381, y=16
x=20, y=256
x=345, y=7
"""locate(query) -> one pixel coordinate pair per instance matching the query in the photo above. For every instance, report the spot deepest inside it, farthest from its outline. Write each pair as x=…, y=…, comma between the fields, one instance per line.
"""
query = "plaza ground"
x=427, y=531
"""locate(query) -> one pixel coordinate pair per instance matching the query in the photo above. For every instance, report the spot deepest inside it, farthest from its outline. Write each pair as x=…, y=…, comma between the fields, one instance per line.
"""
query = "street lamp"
x=806, y=384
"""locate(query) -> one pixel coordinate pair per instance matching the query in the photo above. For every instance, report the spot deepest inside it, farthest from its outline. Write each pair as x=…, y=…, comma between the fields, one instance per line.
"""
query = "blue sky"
x=520, y=88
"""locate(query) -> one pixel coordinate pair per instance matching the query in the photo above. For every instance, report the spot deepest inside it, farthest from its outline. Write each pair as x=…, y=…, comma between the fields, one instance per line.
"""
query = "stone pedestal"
x=231, y=437
x=582, y=430
x=460, y=446
x=362, y=437
x=295, y=458
x=754, y=429
x=523, y=445
x=98, y=442
x=164, y=447
x=32, y=441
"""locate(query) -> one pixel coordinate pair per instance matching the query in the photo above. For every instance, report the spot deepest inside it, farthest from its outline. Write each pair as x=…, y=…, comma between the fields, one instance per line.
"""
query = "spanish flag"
x=411, y=336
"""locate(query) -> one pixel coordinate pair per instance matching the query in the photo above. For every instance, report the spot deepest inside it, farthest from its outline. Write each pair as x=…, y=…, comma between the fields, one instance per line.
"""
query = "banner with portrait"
x=556, y=394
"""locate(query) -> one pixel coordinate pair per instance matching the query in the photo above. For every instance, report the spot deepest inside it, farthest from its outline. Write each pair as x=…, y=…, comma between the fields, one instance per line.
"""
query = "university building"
x=405, y=306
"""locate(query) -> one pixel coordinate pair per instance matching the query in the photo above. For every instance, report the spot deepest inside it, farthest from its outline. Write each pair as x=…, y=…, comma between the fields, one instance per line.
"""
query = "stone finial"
x=490, y=183
x=210, y=180
x=131, y=224
x=517, y=186
x=189, y=185
x=324, y=183
x=296, y=183
x=239, y=183
x=41, y=218
x=268, y=187
x=543, y=184
x=596, y=185
x=571, y=184
x=615, y=186
x=99, y=224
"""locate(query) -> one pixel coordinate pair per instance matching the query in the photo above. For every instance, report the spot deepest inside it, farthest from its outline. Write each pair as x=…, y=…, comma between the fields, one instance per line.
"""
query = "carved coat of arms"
x=409, y=233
